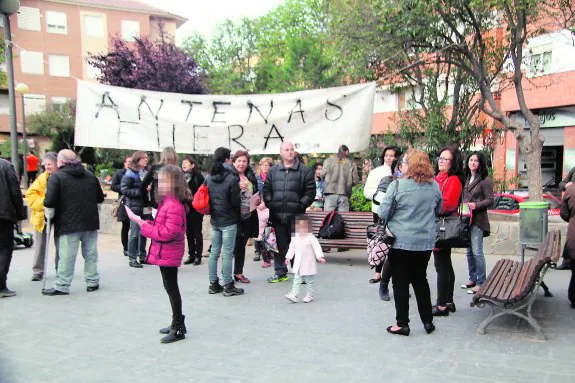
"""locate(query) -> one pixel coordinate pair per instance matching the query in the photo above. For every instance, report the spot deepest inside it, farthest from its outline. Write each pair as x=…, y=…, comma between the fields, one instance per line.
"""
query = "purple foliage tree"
x=157, y=65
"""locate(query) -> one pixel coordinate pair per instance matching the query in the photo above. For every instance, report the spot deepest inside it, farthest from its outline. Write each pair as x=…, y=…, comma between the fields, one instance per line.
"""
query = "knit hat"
x=222, y=154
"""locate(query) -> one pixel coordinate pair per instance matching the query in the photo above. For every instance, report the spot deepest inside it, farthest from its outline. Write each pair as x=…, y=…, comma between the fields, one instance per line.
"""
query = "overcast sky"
x=204, y=15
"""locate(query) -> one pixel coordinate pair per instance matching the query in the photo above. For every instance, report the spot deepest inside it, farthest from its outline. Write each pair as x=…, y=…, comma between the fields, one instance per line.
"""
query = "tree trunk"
x=531, y=150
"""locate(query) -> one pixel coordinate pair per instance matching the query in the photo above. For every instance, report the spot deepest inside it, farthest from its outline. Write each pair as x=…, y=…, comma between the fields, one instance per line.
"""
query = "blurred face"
x=444, y=161
x=143, y=162
x=50, y=166
x=403, y=167
x=265, y=167
x=473, y=163
x=302, y=227
x=318, y=171
x=287, y=152
x=127, y=163
x=241, y=164
x=389, y=157
x=165, y=184
x=187, y=166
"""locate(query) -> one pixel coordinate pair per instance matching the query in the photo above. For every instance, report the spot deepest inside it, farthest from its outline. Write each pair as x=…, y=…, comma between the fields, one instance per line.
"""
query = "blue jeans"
x=136, y=243
x=69, y=250
x=475, y=258
x=224, y=240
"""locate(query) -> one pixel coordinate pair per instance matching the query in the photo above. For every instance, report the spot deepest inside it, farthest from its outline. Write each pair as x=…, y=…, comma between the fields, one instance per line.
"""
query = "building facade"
x=52, y=40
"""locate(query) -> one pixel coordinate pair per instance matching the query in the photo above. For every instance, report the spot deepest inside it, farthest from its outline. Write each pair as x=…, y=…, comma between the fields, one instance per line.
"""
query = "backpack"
x=201, y=201
x=332, y=227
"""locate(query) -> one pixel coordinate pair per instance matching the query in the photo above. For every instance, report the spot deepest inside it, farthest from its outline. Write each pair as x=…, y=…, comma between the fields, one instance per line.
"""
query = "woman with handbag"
x=416, y=201
x=194, y=220
x=478, y=194
x=248, y=225
x=448, y=176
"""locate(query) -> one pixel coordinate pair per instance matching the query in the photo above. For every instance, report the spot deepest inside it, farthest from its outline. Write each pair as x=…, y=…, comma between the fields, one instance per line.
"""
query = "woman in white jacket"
x=389, y=154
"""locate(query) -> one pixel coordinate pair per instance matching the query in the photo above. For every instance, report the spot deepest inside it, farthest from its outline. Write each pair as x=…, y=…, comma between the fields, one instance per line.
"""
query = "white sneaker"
x=292, y=298
x=308, y=298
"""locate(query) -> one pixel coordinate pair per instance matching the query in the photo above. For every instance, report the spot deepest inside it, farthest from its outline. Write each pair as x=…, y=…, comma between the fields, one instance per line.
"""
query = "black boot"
x=230, y=290
x=215, y=287
x=384, y=292
x=198, y=260
x=565, y=265
x=177, y=330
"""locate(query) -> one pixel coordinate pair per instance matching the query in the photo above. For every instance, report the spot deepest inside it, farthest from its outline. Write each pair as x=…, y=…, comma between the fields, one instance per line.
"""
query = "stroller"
x=22, y=239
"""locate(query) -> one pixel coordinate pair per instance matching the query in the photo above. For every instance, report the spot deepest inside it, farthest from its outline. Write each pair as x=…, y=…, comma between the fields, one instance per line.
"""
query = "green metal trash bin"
x=533, y=221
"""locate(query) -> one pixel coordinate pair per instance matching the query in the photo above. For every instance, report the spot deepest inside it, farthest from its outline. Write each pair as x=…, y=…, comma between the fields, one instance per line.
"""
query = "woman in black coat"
x=122, y=216
x=248, y=226
x=194, y=220
x=567, y=213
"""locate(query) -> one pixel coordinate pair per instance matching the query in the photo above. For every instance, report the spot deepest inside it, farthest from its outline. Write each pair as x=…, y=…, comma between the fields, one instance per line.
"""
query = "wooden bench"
x=356, y=224
x=512, y=286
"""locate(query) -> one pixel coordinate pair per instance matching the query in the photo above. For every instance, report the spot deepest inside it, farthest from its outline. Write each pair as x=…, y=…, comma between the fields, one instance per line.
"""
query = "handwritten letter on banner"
x=315, y=121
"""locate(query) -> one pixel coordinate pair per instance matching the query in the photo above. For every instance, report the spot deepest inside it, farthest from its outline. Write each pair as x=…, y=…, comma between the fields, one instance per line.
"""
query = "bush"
x=358, y=201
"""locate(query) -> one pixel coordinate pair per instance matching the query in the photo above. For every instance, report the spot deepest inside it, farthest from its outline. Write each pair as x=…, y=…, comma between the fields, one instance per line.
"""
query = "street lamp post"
x=7, y=8
x=23, y=89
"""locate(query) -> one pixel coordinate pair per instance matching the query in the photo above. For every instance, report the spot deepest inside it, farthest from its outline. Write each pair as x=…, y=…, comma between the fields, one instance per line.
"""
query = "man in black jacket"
x=11, y=211
x=288, y=191
x=72, y=198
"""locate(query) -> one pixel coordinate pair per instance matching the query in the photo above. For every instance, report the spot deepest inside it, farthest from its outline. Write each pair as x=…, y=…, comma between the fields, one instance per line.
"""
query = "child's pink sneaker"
x=290, y=297
x=308, y=298
x=266, y=264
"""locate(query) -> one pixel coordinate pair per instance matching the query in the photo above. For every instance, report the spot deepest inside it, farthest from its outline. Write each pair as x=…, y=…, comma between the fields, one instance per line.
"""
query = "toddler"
x=306, y=251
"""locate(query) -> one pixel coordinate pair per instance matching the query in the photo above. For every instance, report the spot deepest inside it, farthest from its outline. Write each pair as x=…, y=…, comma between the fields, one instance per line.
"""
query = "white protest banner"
x=316, y=121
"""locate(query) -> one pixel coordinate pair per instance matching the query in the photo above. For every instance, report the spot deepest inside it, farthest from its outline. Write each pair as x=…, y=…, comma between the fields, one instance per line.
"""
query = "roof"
x=127, y=6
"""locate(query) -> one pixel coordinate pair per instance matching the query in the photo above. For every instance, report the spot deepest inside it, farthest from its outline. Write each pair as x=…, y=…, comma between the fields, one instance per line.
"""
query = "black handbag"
x=453, y=231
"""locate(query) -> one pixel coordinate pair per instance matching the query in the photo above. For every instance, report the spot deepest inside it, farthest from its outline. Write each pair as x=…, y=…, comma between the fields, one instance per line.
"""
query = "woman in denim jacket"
x=418, y=203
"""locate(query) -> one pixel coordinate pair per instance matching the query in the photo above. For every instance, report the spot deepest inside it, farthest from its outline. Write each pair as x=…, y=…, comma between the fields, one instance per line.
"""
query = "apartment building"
x=548, y=84
x=52, y=39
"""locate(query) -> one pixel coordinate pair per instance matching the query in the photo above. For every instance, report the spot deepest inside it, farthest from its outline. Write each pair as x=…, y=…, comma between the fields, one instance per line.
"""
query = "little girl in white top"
x=306, y=251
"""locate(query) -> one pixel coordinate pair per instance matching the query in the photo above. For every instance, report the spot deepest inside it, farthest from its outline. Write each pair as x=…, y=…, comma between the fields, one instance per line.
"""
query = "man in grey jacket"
x=11, y=211
x=340, y=174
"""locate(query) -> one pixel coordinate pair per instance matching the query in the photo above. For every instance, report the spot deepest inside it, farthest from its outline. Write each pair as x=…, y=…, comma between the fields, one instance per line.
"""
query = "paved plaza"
x=112, y=335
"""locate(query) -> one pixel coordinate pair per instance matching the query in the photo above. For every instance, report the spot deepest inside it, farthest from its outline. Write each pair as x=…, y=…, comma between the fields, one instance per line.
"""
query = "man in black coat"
x=11, y=211
x=72, y=199
x=288, y=191
x=563, y=185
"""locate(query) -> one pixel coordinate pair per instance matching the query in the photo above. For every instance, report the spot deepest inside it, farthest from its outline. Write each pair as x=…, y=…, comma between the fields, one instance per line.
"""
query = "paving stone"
x=112, y=335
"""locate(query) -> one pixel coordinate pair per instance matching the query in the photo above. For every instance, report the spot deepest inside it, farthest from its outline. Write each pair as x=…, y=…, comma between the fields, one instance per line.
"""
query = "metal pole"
x=25, y=146
x=11, y=96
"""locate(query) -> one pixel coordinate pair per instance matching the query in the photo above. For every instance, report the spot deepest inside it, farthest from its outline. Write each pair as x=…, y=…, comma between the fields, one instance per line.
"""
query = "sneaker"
x=6, y=293
x=265, y=265
x=36, y=277
x=290, y=297
x=230, y=290
x=308, y=298
x=257, y=257
x=277, y=278
x=134, y=263
x=215, y=288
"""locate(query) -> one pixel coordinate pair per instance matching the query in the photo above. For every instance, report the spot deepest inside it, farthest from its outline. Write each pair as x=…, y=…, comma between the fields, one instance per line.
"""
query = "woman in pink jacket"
x=167, y=233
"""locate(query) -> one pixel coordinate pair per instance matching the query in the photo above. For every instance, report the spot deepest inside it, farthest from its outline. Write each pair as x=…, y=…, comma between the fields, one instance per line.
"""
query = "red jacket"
x=450, y=187
x=167, y=233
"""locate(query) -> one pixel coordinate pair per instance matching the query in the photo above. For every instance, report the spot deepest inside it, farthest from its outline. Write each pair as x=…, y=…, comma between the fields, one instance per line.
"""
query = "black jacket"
x=288, y=191
x=117, y=187
x=224, y=191
x=569, y=178
x=11, y=201
x=75, y=194
x=151, y=178
x=196, y=179
x=131, y=188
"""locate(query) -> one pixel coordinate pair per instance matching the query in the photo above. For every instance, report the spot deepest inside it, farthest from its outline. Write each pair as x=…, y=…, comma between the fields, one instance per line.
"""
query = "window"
x=56, y=22
x=29, y=19
x=1, y=22
x=58, y=103
x=91, y=72
x=35, y=103
x=94, y=26
x=59, y=66
x=130, y=29
x=541, y=63
x=32, y=62
x=4, y=105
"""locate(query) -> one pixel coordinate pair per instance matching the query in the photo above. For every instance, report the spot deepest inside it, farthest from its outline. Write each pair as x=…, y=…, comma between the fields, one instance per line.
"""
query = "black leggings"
x=170, y=279
x=445, y=276
x=240, y=254
x=194, y=234
x=125, y=232
x=383, y=268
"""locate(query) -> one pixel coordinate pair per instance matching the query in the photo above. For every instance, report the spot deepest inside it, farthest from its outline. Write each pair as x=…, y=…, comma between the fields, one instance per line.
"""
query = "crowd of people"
x=155, y=203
